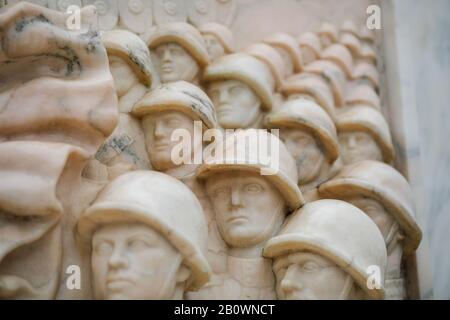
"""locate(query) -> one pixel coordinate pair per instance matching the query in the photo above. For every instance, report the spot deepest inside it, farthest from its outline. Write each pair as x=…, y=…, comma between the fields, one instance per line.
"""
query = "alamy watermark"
x=373, y=21
x=229, y=146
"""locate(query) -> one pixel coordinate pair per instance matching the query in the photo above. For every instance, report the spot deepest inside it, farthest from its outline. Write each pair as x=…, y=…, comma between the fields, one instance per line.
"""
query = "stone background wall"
x=417, y=58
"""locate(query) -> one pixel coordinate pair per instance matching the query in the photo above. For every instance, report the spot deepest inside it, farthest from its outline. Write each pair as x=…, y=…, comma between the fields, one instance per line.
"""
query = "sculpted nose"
x=223, y=96
x=158, y=131
x=289, y=283
x=117, y=260
x=351, y=142
x=167, y=57
x=235, y=198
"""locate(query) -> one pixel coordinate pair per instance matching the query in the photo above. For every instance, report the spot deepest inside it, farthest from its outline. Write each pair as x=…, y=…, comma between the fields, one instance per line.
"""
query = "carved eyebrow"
x=142, y=235
x=101, y=239
x=281, y=263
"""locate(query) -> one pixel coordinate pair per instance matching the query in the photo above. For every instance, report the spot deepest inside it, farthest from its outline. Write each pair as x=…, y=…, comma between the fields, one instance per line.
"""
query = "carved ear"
x=183, y=274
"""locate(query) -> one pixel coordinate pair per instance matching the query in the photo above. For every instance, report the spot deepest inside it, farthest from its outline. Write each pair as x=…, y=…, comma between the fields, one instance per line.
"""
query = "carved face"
x=376, y=211
x=249, y=210
x=175, y=63
x=123, y=75
x=214, y=47
x=236, y=104
x=158, y=129
x=306, y=151
x=357, y=146
x=133, y=261
x=308, y=276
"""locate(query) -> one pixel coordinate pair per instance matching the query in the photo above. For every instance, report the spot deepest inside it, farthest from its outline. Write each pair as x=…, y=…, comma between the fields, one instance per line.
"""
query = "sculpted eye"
x=103, y=248
x=159, y=51
x=310, y=266
x=303, y=140
x=174, y=123
x=214, y=95
x=138, y=244
x=253, y=188
x=221, y=192
x=236, y=90
x=177, y=52
x=369, y=209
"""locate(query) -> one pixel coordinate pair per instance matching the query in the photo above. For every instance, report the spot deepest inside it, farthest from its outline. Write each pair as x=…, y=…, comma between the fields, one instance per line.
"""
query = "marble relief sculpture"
x=241, y=88
x=310, y=136
x=133, y=74
x=53, y=118
x=324, y=251
x=132, y=148
x=147, y=236
x=250, y=209
x=179, y=52
x=218, y=39
x=364, y=135
x=386, y=197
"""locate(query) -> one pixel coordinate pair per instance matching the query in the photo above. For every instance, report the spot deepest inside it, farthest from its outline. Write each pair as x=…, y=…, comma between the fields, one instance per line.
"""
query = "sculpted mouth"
x=118, y=282
x=353, y=154
x=167, y=68
x=161, y=146
x=237, y=219
x=224, y=110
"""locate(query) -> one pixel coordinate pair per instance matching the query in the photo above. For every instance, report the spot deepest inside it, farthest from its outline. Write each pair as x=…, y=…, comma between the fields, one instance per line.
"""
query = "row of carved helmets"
x=332, y=67
x=325, y=227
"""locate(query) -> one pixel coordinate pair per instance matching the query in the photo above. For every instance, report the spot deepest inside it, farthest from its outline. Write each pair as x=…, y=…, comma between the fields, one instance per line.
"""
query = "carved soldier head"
x=147, y=234
x=366, y=73
x=310, y=136
x=218, y=39
x=271, y=58
x=349, y=37
x=325, y=252
x=133, y=74
x=362, y=94
x=129, y=61
x=310, y=47
x=333, y=76
x=341, y=56
x=383, y=194
x=328, y=34
x=312, y=87
x=173, y=106
x=241, y=88
x=289, y=50
x=179, y=51
x=364, y=135
x=250, y=207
